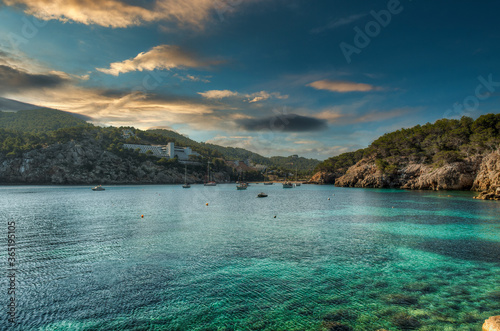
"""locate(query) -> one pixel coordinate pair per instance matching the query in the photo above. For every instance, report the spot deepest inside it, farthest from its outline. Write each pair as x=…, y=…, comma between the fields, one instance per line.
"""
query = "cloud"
x=263, y=95
x=218, y=94
x=250, y=98
x=13, y=79
x=193, y=78
x=163, y=57
x=121, y=14
x=306, y=142
x=336, y=116
x=283, y=123
x=338, y=23
x=342, y=86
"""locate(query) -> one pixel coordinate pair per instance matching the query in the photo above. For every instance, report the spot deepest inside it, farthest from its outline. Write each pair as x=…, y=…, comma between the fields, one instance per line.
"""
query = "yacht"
x=209, y=182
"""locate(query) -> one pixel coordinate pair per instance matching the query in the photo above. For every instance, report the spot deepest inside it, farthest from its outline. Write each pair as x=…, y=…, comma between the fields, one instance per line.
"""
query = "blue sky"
x=314, y=78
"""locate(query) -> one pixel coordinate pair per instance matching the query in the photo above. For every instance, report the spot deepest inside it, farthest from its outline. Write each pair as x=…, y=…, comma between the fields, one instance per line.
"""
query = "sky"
x=315, y=78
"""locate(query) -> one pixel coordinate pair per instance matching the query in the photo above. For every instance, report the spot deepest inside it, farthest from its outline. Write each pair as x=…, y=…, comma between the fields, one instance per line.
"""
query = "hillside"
x=231, y=153
x=38, y=120
x=13, y=105
x=88, y=155
x=448, y=154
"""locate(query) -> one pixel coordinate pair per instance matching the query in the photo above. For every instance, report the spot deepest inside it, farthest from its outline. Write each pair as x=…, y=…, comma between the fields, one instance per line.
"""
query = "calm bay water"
x=367, y=259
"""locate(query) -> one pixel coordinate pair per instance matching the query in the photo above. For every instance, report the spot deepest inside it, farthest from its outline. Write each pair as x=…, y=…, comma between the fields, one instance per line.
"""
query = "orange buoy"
x=206, y=204
x=142, y=216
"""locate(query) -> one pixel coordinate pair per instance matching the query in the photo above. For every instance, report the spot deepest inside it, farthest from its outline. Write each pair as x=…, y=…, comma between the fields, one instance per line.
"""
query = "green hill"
x=440, y=143
x=26, y=129
x=38, y=120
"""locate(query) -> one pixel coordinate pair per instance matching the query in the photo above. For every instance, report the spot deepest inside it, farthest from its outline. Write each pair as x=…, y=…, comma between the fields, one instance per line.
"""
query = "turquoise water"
x=365, y=259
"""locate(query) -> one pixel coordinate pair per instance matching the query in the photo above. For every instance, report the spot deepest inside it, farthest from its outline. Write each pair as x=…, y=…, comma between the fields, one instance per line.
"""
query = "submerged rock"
x=336, y=326
x=405, y=321
x=492, y=324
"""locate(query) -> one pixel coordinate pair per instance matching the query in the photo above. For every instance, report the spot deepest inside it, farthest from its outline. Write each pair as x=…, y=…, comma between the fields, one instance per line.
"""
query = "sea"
x=162, y=257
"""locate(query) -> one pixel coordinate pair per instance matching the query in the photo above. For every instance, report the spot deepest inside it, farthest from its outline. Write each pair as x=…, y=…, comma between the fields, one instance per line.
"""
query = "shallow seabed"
x=366, y=259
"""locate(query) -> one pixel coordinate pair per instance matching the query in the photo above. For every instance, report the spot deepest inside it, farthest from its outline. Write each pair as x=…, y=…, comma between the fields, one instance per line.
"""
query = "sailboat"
x=241, y=185
x=208, y=182
x=296, y=182
x=186, y=185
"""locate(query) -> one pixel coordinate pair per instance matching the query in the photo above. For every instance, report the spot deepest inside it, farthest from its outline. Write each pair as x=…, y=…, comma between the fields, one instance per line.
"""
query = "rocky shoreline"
x=87, y=163
x=479, y=173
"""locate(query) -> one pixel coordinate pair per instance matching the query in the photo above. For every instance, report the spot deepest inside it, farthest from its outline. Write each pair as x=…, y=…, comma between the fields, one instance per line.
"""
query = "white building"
x=169, y=151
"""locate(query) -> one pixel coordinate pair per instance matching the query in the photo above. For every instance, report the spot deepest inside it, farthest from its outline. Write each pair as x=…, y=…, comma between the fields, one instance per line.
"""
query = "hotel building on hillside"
x=167, y=151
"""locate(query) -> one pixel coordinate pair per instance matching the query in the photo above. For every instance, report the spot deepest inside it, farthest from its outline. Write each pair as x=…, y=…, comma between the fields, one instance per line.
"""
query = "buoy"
x=274, y=216
x=142, y=216
x=206, y=204
x=328, y=198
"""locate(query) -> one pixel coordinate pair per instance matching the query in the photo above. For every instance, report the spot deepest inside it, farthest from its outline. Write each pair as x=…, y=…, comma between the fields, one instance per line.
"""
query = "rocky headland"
x=477, y=173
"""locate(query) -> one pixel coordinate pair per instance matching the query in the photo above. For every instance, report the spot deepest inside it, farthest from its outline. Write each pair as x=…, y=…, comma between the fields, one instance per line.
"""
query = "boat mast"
x=208, y=171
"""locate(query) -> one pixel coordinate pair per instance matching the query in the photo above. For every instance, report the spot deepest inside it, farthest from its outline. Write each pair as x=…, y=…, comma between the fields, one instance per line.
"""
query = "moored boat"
x=98, y=188
x=209, y=182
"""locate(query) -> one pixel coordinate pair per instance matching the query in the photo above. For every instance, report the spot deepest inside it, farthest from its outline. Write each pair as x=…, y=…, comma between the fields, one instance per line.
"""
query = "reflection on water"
x=365, y=259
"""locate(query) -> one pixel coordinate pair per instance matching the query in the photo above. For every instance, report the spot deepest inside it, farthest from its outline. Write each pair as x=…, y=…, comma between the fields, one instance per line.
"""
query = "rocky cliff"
x=87, y=163
x=479, y=173
x=323, y=177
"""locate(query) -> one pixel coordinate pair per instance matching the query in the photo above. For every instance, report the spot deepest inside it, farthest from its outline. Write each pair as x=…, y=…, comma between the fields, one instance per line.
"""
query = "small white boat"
x=98, y=188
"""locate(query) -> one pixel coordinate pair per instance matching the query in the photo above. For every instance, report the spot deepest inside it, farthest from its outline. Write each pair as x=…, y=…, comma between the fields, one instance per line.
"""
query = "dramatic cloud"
x=283, y=123
x=163, y=57
x=12, y=79
x=121, y=14
x=343, y=86
x=250, y=98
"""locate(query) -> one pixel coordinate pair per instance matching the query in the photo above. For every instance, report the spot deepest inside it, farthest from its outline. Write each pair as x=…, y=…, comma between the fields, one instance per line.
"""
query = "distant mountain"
x=14, y=106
